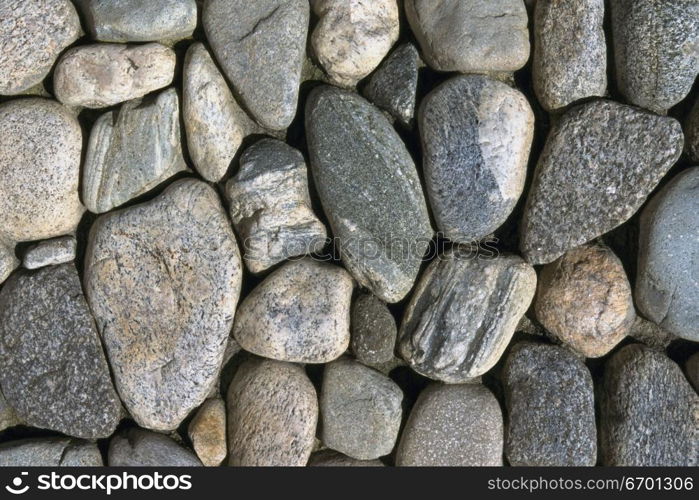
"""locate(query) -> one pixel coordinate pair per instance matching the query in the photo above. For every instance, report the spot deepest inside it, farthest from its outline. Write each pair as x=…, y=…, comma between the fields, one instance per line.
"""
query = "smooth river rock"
x=140, y=448
x=374, y=331
x=50, y=252
x=207, y=430
x=50, y=452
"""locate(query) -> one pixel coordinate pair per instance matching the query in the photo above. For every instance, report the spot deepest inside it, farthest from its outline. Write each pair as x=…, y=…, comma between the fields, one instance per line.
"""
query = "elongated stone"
x=374, y=332
x=50, y=252
x=692, y=133
x=331, y=458
x=207, y=430
x=50, y=452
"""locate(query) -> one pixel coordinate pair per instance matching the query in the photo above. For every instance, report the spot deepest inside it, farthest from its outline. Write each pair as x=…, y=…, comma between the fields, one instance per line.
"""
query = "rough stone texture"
x=373, y=331
x=8, y=417
x=476, y=136
x=207, y=430
x=261, y=47
x=370, y=191
x=471, y=36
x=584, y=299
x=667, y=285
x=8, y=261
x=649, y=412
x=453, y=425
x=360, y=410
x=271, y=207
x=49, y=452
x=692, y=368
x=272, y=415
x=655, y=49
x=32, y=35
x=599, y=163
x=331, y=458
x=570, y=52
x=651, y=334
x=351, y=38
x=54, y=372
x=50, y=252
x=463, y=314
x=550, y=407
x=163, y=279
x=692, y=133
x=104, y=74
x=140, y=448
x=299, y=313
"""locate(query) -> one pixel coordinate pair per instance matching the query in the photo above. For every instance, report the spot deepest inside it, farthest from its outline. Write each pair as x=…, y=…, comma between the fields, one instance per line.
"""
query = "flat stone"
x=550, y=406
x=570, y=52
x=692, y=368
x=261, y=47
x=140, y=448
x=54, y=375
x=599, y=164
x=103, y=74
x=207, y=430
x=33, y=33
x=331, y=458
x=132, y=150
x=163, y=280
x=299, y=313
x=453, y=426
x=692, y=133
x=50, y=252
x=648, y=412
x=370, y=191
x=270, y=206
x=471, y=36
x=374, y=331
x=476, y=135
x=352, y=38
x=463, y=314
x=49, y=452
x=272, y=415
x=667, y=284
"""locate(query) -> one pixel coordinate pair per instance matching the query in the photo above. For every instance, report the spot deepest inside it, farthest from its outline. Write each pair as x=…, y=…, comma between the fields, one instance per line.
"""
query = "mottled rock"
x=651, y=334
x=8, y=417
x=599, y=163
x=49, y=452
x=331, y=458
x=140, y=448
x=50, y=252
x=207, y=430
x=373, y=331
x=692, y=368
x=163, y=279
x=370, y=191
x=692, y=133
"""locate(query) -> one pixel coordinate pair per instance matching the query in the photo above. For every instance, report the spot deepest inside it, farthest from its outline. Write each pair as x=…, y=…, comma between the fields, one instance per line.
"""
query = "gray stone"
x=463, y=314
x=8, y=261
x=271, y=207
x=8, y=417
x=163, y=280
x=599, y=163
x=49, y=452
x=33, y=33
x=54, y=372
x=370, y=191
x=648, y=413
x=373, y=331
x=331, y=458
x=453, y=425
x=299, y=313
x=207, y=430
x=651, y=334
x=140, y=448
x=692, y=133
x=476, y=135
x=132, y=150
x=261, y=47
x=655, y=49
x=570, y=52
x=471, y=36
x=692, y=368
x=50, y=252
x=667, y=285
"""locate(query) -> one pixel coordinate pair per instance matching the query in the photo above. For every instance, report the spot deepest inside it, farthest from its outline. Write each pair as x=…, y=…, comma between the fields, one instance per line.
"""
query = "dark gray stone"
x=692, y=132
x=331, y=458
x=50, y=452
x=692, y=369
x=374, y=331
x=140, y=448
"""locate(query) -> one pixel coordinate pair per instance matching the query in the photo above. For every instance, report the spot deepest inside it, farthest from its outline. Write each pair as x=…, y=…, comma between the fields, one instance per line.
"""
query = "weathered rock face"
x=370, y=191
x=132, y=150
x=140, y=448
x=463, y=313
x=8, y=417
x=207, y=430
x=50, y=252
x=655, y=49
x=163, y=279
x=373, y=331
x=667, y=290
x=599, y=163
x=299, y=313
x=32, y=35
x=476, y=136
x=648, y=412
x=272, y=415
x=261, y=46
x=331, y=458
x=49, y=452
x=471, y=36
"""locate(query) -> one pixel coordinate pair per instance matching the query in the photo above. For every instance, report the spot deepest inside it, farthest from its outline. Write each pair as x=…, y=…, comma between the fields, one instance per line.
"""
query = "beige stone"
x=207, y=430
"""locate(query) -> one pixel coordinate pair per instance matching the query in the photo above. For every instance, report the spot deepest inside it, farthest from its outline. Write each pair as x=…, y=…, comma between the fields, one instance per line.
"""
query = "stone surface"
x=141, y=448
x=272, y=415
x=163, y=279
x=651, y=334
x=49, y=452
x=8, y=261
x=351, y=38
x=299, y=313
x=648, y=412
x=50, y=252
x=104, y=74
x=270, y=206
x=692, y=132
x=570, y=52
x=476, y=135
x=54, y=372
x=463, y=314
x=453, y=425
x=331, y=458
x=692, y=369
x=667, y=285
x=370, y=191
x=655, y=49
x=261, y=47
x=8, y=417
x=207, y=430
x=584, y=299
x=599, y=163
x=360, y=410
x=471, y=36
x=374, y=331
x=550, y=407
x=132, y=150
x=32, y=35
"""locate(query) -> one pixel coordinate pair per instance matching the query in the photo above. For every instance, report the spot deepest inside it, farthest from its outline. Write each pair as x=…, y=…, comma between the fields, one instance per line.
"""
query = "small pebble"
x=141, y=448
x=50, y=252
x=207, y=430
x=374, y=331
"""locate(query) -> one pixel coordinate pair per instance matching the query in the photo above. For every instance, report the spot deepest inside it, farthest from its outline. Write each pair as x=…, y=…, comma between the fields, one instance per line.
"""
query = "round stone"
x=140, y=448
